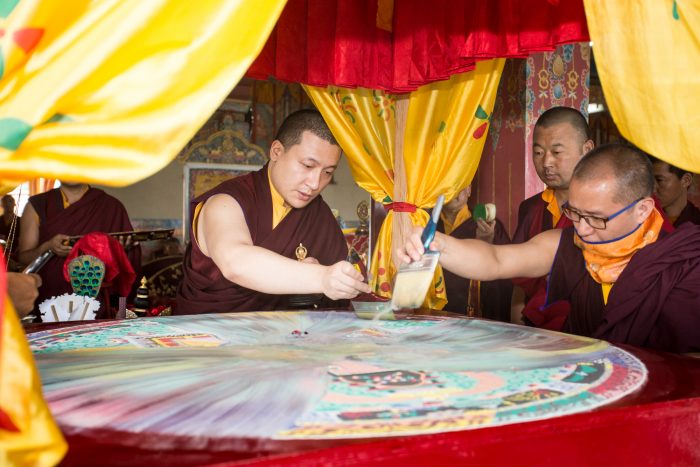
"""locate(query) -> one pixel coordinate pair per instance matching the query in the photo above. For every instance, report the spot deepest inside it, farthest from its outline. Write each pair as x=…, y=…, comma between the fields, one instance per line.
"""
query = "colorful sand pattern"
x=319, y=375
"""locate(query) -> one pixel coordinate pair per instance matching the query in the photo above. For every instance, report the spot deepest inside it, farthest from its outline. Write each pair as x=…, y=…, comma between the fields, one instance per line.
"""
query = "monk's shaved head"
x=294, y=126
x=629, y=167
x=559, y=115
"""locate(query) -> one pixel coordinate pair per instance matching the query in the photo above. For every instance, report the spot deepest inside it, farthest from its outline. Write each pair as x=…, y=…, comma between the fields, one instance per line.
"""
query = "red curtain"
x=322, y=42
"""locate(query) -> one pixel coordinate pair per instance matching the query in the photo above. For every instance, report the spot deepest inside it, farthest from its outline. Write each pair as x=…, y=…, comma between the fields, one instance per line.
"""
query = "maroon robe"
x=654, y=303
x=204, y=289
x=533, y=219
x=690, y=213
x=533, y=216
x=494, y=296
x=96, y=211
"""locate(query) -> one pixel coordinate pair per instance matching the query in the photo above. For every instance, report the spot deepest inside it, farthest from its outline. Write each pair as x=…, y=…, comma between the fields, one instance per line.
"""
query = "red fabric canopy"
x=322, y=42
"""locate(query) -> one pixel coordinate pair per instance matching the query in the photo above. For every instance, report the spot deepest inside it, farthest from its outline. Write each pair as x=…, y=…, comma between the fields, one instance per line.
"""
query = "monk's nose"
x=583, y=228
x=548, y=159
x=313, y=181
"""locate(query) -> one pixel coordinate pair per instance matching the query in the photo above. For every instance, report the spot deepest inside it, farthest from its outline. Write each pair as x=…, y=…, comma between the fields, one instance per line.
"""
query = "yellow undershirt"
x=66, y=203
x=552, y=205
x=606, y=291
x=279, y=209
x=462, y=216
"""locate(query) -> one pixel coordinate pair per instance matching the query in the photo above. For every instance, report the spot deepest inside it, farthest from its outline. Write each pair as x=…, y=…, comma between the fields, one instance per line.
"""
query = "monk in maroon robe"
x=262, y=237
x=48, y=220
x=561, y=137
x=671, y=189
x=627, y=279
x=653, y=303
x=490, y=299
x=204, y=289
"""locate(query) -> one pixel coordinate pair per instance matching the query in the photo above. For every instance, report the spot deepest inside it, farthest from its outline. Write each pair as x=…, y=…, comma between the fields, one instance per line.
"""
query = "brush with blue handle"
x=429, y=230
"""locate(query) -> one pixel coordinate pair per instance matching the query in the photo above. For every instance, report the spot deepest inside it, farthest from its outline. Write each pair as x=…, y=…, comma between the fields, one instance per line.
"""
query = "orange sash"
x=606, y=261
x=552, y=205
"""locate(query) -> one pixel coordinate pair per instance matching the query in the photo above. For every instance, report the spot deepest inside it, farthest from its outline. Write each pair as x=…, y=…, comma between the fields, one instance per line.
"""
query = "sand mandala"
x=209, y=380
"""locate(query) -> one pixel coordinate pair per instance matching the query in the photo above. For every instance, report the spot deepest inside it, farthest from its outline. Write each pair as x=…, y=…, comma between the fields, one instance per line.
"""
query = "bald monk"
x=491, y=298
x=628, y=281
x=671, y=189
x=73, y=209
x=561, y=138
x=247, y=232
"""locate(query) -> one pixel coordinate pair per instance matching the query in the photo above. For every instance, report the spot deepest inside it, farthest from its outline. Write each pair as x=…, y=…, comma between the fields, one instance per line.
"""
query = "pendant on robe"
x=301, y=252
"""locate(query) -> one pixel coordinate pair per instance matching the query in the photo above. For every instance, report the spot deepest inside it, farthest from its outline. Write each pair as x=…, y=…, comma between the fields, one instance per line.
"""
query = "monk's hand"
x=59, y=245
x=413, y=248
x=310, y=260
x=485, y=230
x=23, y=290
x=127, y=241
x=343, y=281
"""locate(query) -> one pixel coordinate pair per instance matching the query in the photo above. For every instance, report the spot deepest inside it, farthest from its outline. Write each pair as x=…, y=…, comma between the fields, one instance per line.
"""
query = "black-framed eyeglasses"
x=598, y=223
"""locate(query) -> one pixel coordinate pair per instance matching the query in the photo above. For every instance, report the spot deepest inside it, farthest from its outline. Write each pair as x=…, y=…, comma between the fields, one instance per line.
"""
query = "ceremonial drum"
x=255, y=381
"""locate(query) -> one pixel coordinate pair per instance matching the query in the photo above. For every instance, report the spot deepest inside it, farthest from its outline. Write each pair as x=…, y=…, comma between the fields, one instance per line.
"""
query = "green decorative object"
x=486, y=212
x=86, y=273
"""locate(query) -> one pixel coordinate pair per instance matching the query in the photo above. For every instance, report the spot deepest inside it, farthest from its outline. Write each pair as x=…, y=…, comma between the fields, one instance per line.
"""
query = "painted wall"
x=528, y=87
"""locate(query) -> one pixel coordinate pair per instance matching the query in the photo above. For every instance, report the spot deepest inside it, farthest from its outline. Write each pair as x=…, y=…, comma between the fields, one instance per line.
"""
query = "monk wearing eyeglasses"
x=628, y=280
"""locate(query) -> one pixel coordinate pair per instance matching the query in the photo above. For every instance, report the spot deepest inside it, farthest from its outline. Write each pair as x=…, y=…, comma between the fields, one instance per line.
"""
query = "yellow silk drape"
x=443, y=139
x=648, y=58
x=37, y=440
x=105, y=92
x=108, y=92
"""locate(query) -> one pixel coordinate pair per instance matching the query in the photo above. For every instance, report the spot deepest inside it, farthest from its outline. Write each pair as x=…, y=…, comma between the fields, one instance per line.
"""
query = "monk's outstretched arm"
x=475, y=259
x=223, y=235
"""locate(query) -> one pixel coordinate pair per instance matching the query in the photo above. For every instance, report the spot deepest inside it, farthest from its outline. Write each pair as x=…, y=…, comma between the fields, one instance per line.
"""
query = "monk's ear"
x=276, y=150
x=644, y=209
x=588, y=146
x=686, y=180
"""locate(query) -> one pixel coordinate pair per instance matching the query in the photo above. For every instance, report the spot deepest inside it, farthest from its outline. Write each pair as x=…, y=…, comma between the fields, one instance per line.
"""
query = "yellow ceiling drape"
x=443, y=138
x=108, y=92
x=648, y=57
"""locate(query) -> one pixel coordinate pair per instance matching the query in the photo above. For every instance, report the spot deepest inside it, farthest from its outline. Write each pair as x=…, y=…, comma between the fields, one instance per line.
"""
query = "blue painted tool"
x=429, y=230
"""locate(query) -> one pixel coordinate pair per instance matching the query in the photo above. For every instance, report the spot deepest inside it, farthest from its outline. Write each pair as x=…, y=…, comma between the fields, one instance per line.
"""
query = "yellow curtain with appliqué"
x=648, y=57
x=109, y=91
x=28, y=435
x=445, y=131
